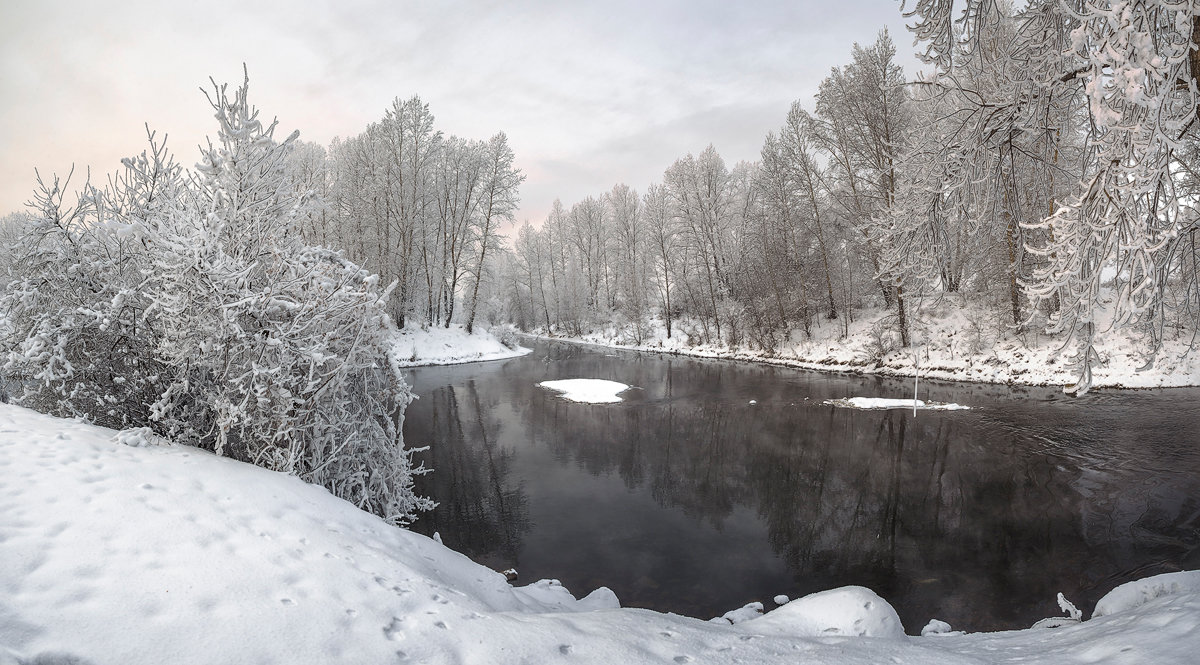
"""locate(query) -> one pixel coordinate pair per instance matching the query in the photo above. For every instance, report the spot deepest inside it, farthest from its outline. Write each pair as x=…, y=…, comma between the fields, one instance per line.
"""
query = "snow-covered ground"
x=415, y=346
x=591, y=391
x=951, y=340
x=149, y=553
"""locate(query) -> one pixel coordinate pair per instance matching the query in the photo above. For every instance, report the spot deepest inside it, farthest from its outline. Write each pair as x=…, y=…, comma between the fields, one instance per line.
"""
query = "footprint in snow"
x=392, y=630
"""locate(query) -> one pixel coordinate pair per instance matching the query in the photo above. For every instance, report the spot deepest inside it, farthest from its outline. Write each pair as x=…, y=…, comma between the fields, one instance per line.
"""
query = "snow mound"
x=937, y=627
x=848, y=611
x=1139, y=592
x=883, y=403
x=140, y=437
x=745, y=613
x=591, y=391
x=416, y=347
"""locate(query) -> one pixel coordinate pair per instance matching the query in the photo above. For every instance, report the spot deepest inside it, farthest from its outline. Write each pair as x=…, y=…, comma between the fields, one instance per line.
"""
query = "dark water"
x=686, y=498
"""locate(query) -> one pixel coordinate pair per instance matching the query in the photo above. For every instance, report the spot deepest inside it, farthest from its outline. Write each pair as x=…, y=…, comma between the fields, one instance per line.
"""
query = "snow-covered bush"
x=76, y=339
x=506, y=335
x=192, y=306
x=883, y=340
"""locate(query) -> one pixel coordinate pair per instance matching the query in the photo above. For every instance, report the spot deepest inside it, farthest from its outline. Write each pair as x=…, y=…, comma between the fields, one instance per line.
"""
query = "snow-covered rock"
x=851, y=610
x=936, y=627
x=745, y=613
x=1139, y=592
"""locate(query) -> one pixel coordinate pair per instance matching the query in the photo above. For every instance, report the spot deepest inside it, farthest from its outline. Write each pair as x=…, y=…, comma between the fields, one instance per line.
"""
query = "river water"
x=687, y=498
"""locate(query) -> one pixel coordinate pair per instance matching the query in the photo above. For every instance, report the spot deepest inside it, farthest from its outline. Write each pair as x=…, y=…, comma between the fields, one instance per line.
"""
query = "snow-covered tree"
x=1108, y=250
x=497, y=203
x=861, y=122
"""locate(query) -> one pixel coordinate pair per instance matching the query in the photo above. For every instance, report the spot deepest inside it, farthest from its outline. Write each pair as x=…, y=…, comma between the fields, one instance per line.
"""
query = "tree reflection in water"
x=480, y=512
x=687, y=498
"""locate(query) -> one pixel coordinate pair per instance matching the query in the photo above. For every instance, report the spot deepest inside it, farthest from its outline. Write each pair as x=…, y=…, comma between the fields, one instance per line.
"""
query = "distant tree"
x=497, y=203
x=663, y=238
x=629, y=255
x=700, y=196
x=799, y=144
x=861, y=123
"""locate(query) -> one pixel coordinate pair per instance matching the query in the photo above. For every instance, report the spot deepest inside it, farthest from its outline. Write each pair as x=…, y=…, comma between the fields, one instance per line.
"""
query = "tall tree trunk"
x=1012, y=232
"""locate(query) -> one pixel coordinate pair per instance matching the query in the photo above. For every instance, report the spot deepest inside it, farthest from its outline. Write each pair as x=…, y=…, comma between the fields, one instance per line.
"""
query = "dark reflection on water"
x=686, y=498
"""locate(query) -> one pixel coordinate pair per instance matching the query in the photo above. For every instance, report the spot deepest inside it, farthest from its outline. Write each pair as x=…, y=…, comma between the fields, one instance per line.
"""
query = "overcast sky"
x=590, y=94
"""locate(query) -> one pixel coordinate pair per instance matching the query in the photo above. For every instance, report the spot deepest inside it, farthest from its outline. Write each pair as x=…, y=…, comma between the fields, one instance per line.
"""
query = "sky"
x=590, y=94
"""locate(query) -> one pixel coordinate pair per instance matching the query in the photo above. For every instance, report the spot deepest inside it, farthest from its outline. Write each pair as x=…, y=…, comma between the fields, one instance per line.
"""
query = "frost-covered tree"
x=1107, y=249
x=663, y=238
x=497, y=203
x=628, y=251
x=799, y=145
x=421, y=209
x=698, y=187
x=861, y=122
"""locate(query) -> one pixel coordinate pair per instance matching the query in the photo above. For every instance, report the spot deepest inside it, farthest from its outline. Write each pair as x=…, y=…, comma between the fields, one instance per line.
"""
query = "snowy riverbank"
x=416, y=346
x=115, y=553
x=950, y=343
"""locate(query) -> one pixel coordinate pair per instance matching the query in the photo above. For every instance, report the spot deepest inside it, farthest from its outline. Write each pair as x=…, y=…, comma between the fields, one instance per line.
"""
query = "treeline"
x=415, y=207
x=1044, y=168
x=743, y=255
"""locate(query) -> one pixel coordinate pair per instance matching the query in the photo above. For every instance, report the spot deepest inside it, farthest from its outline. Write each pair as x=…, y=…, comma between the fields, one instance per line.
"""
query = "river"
x=687, y=498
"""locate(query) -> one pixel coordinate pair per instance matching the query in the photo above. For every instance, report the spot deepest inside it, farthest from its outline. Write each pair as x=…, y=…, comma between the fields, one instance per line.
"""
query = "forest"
x=1041, y=167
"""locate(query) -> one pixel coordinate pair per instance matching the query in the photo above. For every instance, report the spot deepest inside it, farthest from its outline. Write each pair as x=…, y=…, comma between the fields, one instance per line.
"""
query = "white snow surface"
x=852, y=611
x=887, y=403
x=1139, y=592
x=415, y=346
x=591, y=391
x=120, y=554
x=952, y=339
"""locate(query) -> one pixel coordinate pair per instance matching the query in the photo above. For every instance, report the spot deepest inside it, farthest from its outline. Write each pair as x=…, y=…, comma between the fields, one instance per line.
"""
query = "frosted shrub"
x=191, y=306
x=506, y=335
x=883, y=340
x=76, y=340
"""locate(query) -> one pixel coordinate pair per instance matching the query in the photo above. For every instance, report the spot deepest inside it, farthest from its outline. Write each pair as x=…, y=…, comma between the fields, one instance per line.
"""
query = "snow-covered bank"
x=951, y=342
x=152, y=554
x=416, y=346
